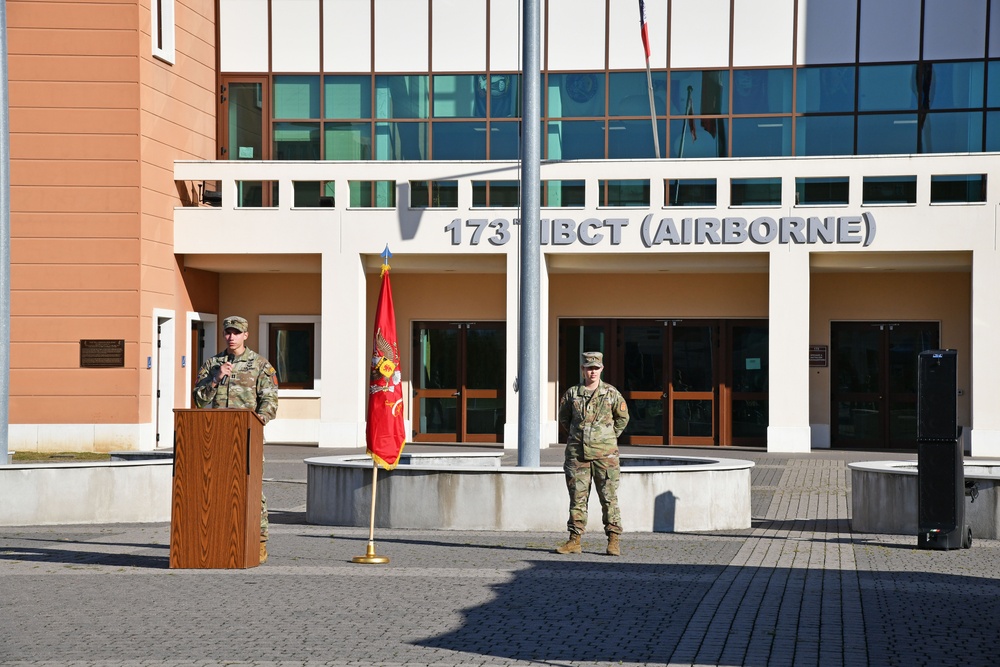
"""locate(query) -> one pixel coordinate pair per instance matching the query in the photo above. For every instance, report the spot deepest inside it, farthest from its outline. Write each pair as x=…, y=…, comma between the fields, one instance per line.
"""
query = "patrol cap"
x=235, y=322
x=592, y=360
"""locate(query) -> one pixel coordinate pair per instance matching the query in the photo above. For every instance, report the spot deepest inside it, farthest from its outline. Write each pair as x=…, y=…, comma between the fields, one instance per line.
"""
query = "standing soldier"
x=595, y=414
x=238, y=377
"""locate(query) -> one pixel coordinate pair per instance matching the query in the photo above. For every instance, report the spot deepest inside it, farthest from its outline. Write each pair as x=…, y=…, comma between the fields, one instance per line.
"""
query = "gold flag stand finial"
x=370, y=556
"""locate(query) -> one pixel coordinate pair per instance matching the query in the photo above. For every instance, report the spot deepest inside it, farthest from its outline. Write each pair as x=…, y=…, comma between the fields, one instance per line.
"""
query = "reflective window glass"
x=401, y=96
x=628, y=93
x=433, y=194
x=504, y=98
x=951, y=132
x=824, y=135
x=347, y=141
x=762, y=91
x=372, y=194
x=575, y=140
x=296, y=141
x=563, y=194
x=958, y=188
x=757, y=137
x=458, y=141
x=495, y=194
x=314, y=194
x=824, y=89
x=889, y=190
x=698, y=137
x=634, y=139
x=691, y=192
x=296, y=97
x=699, y=93
x=887, y=134
x=887, y=88
x=624, y=193
x=822, y=191
x=401, y=141
x=505, y=140
x=456, y=96
x=993, y=131
x=952, y=85
x=755, y=192
x=993, y=84
x=347, y=96
x=576, y=94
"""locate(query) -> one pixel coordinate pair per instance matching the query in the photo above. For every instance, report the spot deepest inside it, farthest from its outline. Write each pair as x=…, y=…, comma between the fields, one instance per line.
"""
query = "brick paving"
x=798, y=588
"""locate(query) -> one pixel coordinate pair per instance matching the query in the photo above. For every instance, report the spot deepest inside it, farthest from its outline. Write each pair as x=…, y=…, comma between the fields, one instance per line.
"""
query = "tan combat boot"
x=571, y=546
x=263, y=551
x=614, y=548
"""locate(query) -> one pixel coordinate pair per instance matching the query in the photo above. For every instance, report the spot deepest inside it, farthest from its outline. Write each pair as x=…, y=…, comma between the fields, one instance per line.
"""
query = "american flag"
x=644, y=28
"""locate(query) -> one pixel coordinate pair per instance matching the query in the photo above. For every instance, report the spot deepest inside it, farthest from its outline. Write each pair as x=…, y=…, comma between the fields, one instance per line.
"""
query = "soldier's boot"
x=263, y=551
x=614, y=548
x=570, y=546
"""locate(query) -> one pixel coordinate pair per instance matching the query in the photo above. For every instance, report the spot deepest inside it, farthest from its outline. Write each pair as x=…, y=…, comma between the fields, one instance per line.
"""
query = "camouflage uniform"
x=252, y=384
x=594, y=420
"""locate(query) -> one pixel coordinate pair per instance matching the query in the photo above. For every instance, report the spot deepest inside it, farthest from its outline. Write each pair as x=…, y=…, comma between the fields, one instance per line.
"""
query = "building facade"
x=812, y=206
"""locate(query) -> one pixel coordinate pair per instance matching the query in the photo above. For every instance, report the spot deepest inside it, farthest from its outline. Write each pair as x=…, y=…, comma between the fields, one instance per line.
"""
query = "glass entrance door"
x=458, y=381
x=874, y=382
x=694, y=366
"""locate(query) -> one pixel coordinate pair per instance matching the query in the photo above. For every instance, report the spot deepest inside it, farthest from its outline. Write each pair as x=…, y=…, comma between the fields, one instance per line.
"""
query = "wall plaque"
x=102, y=354
x=818, y=355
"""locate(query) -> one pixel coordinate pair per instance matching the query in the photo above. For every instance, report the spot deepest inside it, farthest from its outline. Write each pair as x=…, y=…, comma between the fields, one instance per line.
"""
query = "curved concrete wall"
x=459, y=493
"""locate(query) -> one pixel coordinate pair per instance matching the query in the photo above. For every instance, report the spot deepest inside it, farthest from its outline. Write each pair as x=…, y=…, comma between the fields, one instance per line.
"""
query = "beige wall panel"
x=59, y=329
x=74, y=121
x=77, y=381
x=160, y=194
x=28, y=354
x=75, y=277
x=74, y=173
x=300, y=408
x=94, y=147
x=73, y=42
x=89, y=409
x=158, y=278
x=75, y=251
x=77, y=225
x=185, y=130
x=75, y=68
x=106, y=15
x=70, y=199
x=74, y=94
x=663, y=295
x=76, y=303
x=188, y=104
x=199, y=289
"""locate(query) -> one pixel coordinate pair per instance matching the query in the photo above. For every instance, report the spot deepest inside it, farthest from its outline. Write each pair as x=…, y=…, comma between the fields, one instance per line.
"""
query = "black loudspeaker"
x=936, y=395
x=940, y=496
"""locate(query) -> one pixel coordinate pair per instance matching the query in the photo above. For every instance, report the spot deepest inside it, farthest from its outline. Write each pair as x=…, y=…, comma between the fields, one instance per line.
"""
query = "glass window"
x=296, y=141
x=433, y=194
x=698, y=137
x=756, y=137
x=457, y=96
x=624, y=193
x=699, y=93
x=401, y=141
x=634, y=139
x=993, y=84
x=250, y=194
x=504, y=98
x=887, y=134
x=887, y=88
x=401, y=96
x=291, y=351
x=755, y=192
x=575, y=95
x=993, y=131
x=348, y=96
x=372, y=194
x=576, y=140
x=495, y=194
x=889, y=190
x=958, y=188
x=691, y=192
x=762, y=91
x=951, y=132
x=348, y=141
x=563, y=194
x=313, y=194
x=824, y=135
x=296, y=97
x=824, y=89
x=628, y=93
x=505, y=140
x=952, y=85
x=822, y=191
x=458, y=141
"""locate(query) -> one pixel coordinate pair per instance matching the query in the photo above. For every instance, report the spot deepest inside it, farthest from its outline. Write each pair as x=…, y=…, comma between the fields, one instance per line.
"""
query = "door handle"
x=664, y=396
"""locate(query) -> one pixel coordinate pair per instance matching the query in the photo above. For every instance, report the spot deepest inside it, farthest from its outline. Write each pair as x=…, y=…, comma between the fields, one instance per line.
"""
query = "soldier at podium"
x=238, y=377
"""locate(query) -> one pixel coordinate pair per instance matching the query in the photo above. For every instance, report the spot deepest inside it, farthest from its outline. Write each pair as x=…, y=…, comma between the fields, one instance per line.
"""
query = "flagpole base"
x=370, y=556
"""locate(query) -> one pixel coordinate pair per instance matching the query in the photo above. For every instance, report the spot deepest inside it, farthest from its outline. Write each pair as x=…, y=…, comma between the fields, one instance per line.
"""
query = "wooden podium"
x=218, y=470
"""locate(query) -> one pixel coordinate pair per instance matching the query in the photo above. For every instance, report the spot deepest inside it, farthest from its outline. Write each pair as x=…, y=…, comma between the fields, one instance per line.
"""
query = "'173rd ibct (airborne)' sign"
x=763, y=230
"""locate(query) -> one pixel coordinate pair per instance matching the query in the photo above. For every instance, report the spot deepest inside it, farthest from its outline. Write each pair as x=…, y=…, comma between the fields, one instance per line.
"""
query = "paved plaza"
x=798, y=588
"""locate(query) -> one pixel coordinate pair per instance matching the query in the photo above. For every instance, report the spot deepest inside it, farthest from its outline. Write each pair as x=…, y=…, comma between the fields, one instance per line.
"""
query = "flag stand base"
x=370, y=556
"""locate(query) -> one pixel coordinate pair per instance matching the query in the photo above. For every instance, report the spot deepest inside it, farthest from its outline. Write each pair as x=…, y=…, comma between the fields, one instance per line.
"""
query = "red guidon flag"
x=644, y=27
x=385, y=434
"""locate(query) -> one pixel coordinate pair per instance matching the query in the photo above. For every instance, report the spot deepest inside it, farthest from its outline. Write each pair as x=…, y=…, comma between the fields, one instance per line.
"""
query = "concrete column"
x=788, y=350
x=343, y=352
x=985, y=353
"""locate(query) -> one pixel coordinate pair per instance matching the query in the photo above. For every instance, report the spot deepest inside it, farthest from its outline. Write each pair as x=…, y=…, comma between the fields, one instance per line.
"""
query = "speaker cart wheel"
x=967, y=542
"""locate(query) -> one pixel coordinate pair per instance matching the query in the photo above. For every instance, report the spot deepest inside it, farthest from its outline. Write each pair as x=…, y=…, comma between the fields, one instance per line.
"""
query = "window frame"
x=162, y=30
x=267, y=322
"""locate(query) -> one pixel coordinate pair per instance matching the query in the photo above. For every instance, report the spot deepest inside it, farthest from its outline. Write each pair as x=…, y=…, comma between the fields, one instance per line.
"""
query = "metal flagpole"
x=370, y=556
x=688, y=111
x=652, y=110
